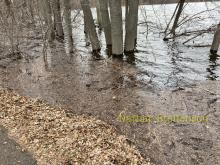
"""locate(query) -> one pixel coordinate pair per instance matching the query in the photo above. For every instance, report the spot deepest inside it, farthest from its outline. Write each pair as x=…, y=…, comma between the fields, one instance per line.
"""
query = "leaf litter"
x=55, y=137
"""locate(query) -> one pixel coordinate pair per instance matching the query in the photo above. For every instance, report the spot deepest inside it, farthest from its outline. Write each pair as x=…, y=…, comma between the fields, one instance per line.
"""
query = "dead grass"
x=54, y=137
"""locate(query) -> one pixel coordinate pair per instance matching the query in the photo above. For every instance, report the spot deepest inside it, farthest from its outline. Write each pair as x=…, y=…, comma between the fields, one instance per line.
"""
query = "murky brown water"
x=142, y=86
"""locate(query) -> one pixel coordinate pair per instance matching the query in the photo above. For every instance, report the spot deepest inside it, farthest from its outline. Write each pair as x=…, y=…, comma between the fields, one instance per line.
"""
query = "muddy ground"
x=106, y=87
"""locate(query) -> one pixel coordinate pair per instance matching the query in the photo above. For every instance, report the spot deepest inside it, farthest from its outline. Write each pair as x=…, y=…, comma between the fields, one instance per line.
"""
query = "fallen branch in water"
x=197, y=32
x=199, y=46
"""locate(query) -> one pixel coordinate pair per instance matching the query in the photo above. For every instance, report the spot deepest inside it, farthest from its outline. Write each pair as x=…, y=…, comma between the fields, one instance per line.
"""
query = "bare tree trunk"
x=168, y=25
x=50, y=25
x=116, y=27
x=216, y=41
x=57, y=18
x=175, y=23
x=136, y=23
x=90, y=26
x=131, y=31
x=47, y=14
x=126, y=14
x=106, y=24
x=99, y=17
x=67, y=26
x=126, y=10
x=85, y=26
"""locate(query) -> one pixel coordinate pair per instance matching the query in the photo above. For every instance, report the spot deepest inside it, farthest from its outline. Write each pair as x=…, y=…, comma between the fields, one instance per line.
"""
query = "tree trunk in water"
x=85, y=26
x=116, y=27
x=180, y=9
x=90, y=25
x=67, y=26
x=106, y=24
x=126, y=13
x=136, y=23
x=131, y=29
x=216, y=41
x=126, y=9
x=168, y=25
x=99, y=17
x=57, y=18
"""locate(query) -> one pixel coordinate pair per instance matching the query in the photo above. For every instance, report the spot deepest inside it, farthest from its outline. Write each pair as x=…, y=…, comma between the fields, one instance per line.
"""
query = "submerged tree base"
x=166, y=39
x=129, y=52
x=96, y=52
x=214, y=52
x=119, y=56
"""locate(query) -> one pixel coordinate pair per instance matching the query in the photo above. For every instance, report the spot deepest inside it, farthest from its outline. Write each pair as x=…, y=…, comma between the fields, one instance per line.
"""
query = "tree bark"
x=168, y=25
x=216, y=41
x=175, y=23
x=136, y=23
x=85, y=26
x=67, y=26
x=57, y=18
x=131, y=29
x=126, y=13
x=116, y=27
x=99, y=16
x=126, y=10
x=49, y=20
x=90, y=25
x=106, y=24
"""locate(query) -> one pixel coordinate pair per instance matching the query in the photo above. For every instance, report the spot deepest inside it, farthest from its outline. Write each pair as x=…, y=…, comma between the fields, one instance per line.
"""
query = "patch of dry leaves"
x=54, y=137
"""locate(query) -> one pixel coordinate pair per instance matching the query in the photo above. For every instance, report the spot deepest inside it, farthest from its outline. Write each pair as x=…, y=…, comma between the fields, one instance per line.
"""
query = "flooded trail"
x=105, y=88
x=162, y=79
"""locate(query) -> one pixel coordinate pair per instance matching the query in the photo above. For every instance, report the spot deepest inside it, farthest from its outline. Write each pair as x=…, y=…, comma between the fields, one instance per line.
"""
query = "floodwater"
x=164, y=78
x=172, y=64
